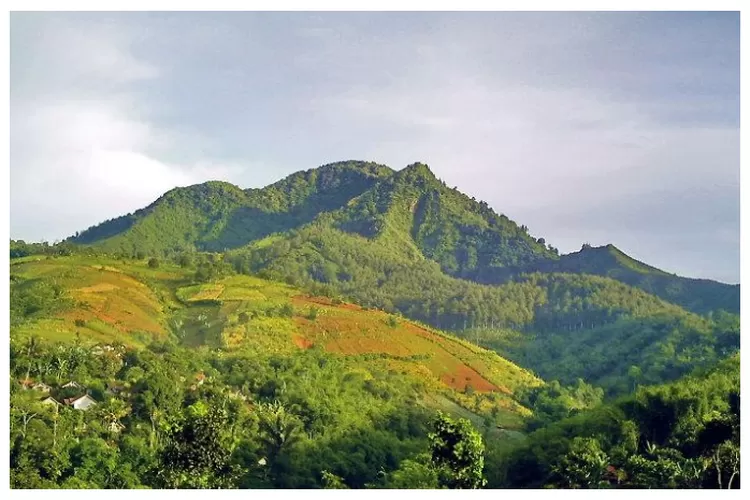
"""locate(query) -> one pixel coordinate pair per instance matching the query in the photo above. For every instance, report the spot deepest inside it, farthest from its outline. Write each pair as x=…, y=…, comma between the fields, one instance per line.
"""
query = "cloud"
x=599, y=127
x=80, y=145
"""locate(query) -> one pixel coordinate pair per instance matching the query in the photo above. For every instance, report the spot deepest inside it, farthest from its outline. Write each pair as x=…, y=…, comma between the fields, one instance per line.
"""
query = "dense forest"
x=352, y=326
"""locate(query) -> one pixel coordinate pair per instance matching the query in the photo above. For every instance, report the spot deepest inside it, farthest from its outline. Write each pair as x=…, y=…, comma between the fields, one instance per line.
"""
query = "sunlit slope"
x=108, y=300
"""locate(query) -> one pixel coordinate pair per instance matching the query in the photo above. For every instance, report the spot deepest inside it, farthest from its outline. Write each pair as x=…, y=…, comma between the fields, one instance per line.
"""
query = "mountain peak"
x=418, y=168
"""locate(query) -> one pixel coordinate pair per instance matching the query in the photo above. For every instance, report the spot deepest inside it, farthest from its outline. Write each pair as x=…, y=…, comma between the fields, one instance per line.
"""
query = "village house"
x=72, y=384
x=49, y=400
x=81, y=403
x=41, y=386
x=26, y=383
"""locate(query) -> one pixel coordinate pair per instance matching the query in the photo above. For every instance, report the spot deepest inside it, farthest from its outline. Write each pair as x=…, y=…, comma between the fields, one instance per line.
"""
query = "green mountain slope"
x=698, y=295
x=215, y=216
x=409, y=212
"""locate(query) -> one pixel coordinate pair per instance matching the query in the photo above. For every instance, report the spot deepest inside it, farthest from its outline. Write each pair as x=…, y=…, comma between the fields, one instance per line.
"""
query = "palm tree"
x=32, y=346
x=279, y=428
x=62, y=366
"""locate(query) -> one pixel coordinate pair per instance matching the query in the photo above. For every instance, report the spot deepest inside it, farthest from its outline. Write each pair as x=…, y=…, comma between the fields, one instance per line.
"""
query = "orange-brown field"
x=348, y=329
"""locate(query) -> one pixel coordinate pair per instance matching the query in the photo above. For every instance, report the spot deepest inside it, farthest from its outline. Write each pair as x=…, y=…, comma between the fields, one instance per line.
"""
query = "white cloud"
x=569, y=123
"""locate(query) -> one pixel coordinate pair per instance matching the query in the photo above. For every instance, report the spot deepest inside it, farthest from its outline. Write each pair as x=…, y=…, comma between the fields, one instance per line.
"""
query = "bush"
x=153, y=263
x=313, y=313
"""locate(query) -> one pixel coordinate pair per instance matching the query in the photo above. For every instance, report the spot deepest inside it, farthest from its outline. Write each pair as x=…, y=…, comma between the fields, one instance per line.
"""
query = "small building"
x=41, y=386
x=81, y=403
x=49, y=400
x=26, y=383
x=72, y=384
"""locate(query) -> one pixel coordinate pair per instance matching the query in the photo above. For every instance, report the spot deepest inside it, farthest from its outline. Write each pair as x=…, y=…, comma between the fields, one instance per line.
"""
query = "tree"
x=153, y=262
x=583, y=466
x=457, y=453
x=332, y=481
x=312, y=314
x=279, y=428
x=413, y=474
x=197, y=453
x=634, y=374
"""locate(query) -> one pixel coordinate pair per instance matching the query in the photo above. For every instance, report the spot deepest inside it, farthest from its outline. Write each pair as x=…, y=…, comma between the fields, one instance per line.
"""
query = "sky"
x=596, y=128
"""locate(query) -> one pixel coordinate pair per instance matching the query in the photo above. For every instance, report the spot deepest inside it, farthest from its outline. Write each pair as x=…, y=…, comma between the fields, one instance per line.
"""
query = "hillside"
x=104, y=300
x=217, y=215
x=684, y=434
x=697, y=295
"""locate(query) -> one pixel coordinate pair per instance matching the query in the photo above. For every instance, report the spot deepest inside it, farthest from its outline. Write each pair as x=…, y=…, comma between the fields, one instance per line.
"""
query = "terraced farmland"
x=128, y=302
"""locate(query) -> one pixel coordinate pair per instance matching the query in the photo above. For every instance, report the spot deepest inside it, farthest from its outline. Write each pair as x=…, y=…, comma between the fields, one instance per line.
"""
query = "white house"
x=71, y=384
x=81, y=403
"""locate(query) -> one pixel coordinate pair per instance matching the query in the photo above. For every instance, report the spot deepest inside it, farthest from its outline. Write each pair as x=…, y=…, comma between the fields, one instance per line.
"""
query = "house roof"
x=70, y=401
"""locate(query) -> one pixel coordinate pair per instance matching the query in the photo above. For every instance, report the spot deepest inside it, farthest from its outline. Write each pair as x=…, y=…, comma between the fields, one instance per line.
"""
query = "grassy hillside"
x=105, y=300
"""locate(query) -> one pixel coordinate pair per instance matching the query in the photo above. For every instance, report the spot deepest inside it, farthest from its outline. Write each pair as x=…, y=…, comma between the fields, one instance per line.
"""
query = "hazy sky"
x=615, y=128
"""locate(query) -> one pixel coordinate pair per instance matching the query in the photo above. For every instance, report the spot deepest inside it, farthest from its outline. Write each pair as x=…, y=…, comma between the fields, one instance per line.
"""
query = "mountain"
x=216, y=215
x=366, y=198
x=410, y=212
x=698, y=295
x=308, y=333
x=404, y=242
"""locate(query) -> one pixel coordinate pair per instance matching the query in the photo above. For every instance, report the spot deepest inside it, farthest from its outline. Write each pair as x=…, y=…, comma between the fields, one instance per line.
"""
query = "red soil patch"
x=302, y=342
x=353, y=334
x=464, y=376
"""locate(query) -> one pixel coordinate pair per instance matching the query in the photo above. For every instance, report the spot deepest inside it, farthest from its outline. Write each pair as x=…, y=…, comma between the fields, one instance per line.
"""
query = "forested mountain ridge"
x=409, y=211
x=217, y=215
x=697, y=295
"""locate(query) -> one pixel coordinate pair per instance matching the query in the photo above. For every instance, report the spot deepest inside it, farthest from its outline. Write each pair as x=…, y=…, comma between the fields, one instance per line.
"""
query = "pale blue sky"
x=615, y=128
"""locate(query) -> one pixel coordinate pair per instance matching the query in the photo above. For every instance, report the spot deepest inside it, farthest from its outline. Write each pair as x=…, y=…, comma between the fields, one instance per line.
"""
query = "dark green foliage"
x=457, y=453
x=661, y=348
x=153, y=262
x=681, y=435
x=259, y=420
x=552, y=402
x=697, y=295
x=197, y=450
x=583, y=466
